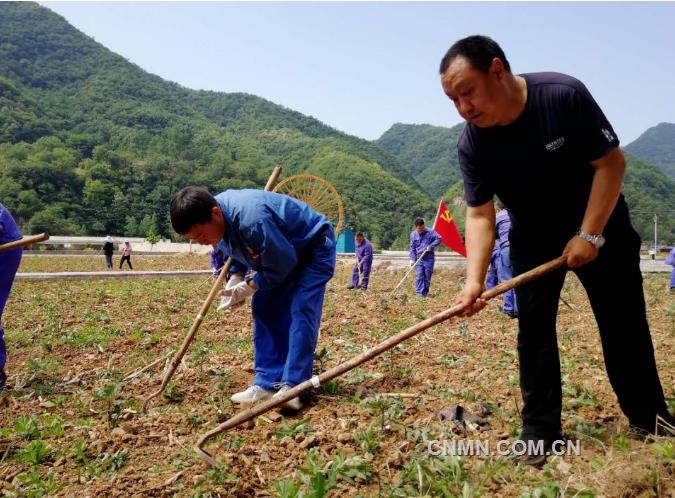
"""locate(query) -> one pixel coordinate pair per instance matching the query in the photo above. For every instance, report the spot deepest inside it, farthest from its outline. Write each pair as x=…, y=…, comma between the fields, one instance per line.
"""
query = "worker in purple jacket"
x=9, y=263
x=423, y=241
x=670, y=260
x=492, y=278
x=504, y=269
x=217, y=260
x=364, y=261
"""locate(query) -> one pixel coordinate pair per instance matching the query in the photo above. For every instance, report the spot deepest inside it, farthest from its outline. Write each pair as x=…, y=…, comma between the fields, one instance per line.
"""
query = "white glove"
x=224, y=298
x=234, y=280
x=412, y=263
x=236, y=295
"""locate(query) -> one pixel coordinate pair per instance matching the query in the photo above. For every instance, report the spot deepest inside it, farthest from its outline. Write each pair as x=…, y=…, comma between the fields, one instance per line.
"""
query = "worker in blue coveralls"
x=291, y=248
x=9, y=263
x=541, y=143
x=504, y=269
x=364, y=261
x=423, y=241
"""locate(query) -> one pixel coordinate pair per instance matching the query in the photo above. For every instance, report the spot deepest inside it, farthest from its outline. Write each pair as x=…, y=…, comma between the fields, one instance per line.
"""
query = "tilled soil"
x=72, y=426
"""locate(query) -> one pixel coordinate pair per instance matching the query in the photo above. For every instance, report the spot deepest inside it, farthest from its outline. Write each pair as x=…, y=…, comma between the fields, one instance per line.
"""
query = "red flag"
x=445, y=226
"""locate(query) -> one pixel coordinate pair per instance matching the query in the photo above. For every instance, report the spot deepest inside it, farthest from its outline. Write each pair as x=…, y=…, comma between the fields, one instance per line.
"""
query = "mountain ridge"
x=125, y=139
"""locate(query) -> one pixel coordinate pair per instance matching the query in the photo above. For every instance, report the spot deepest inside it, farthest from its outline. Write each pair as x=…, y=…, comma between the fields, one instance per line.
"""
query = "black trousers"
x=127, y=259
x=613, y=282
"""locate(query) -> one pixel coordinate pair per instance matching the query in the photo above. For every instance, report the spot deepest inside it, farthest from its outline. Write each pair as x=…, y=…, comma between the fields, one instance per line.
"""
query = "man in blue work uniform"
x=423, y=241
x=9, y=263
x=504, y=269
x=540, y=142
x=364, y=262
x=291, y=248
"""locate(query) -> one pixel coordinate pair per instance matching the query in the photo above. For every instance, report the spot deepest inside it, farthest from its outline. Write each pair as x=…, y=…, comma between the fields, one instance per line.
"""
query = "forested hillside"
x=657, y=146
x=647, y=189
x=90, y=143
x=429, y=153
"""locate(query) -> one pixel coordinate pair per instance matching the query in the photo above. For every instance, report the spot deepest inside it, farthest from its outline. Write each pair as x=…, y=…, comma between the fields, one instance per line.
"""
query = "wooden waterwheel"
x=318, y=193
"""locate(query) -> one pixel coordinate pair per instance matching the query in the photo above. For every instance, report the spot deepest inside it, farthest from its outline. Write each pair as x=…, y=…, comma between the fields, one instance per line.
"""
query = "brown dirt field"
x=73, y=427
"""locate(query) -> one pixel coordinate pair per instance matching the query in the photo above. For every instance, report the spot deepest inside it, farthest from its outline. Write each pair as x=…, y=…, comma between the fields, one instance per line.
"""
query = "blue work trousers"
x=505, y=272
x=423, y=272
x=9, y=263
x=286, y=318
x=360, y=278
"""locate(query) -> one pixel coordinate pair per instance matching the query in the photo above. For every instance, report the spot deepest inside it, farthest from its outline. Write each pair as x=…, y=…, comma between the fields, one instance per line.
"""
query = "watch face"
x=599, y=241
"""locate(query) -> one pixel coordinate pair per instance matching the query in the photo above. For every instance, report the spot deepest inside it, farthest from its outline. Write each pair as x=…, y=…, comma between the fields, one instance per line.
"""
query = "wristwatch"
x=597, y=240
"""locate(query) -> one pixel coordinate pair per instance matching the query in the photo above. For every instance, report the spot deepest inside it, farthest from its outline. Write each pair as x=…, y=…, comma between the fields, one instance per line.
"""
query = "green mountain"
x=647, y=189
x=657, y=146
x=429, y=153
x=91, y=143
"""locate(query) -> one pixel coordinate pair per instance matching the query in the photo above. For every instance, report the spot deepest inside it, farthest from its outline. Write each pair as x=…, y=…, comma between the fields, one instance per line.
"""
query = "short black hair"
x=479, y=50
x=419, y=221
x=190, y=206
x=359, y=234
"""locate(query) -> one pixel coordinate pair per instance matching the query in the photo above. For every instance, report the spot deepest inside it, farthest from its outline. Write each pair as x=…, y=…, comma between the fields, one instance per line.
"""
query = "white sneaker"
x=292, y=404
x=251, y=395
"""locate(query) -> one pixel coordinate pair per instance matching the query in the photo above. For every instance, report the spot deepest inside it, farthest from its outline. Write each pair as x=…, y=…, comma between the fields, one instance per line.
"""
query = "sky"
x=360, y=67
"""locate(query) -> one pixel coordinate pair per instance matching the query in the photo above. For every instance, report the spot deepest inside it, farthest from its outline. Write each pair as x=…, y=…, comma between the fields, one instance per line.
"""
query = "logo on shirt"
x=555, y=144
x=608, y=134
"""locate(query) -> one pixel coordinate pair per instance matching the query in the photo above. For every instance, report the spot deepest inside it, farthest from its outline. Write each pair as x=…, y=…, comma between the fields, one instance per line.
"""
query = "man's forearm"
x=605, y=191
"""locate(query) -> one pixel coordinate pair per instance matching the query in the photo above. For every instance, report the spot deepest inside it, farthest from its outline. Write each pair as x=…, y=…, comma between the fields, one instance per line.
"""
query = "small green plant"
x=288, y=488
x=665, y=450
x=621, y=443
x=106, y=463
x=172, y=393
x=590, y=430
x=27, y=428
x=450, y=360
x=377, y=406
x=31, y=484
x=332, y=388
x=113, y=404
x=293, y=430
x=35, y=453
x=367, y=440
x=53, y=427
x=547, y=490
x=319, y=477
x=220, y=475
x=42, y=366
x=199, y=354
x=320, y=358
x=196, y=419
x=426, y=476
x=79, y=451
x=580, y=395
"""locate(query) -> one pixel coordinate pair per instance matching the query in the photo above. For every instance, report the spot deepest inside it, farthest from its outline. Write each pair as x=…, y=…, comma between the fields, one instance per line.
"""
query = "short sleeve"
x=477, y=187
x=595, y=134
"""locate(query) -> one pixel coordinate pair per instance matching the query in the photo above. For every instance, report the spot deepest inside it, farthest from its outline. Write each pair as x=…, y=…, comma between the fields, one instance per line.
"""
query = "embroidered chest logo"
x=608, y=134
x=555, y=144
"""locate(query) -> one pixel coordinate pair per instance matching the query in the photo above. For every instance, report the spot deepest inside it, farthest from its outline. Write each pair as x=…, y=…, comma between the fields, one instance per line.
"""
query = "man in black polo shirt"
x=542, y=145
